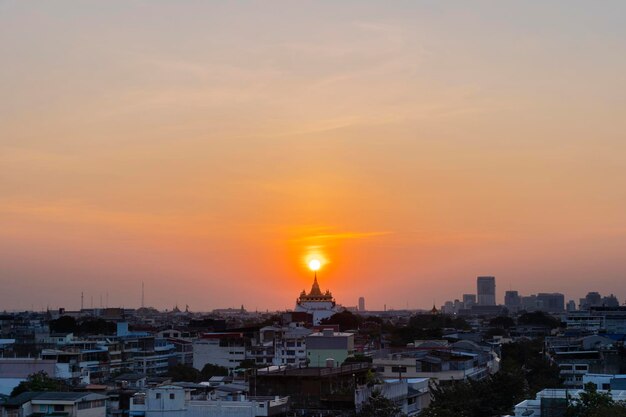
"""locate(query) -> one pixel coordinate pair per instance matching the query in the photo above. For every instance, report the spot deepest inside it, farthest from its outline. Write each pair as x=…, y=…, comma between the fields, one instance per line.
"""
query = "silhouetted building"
x=592, y=298
x=512, y=301
x=312, y=388
x=552, y=303
x=486, y=290
x=469, y=300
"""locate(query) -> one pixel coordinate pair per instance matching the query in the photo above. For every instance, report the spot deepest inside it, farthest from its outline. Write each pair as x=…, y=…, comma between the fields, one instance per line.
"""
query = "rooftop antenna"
x=82, y=300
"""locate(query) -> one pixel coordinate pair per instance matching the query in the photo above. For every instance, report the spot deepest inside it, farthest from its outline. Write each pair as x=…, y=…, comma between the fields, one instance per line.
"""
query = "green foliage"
x=247, y=364
x=494, y=331
x=493, y=396
x=358, y=358
x=538, y=318
x=183, y=373
x=379, y=406
x=180, y=372
x=345, y=319
x=97, y=326
x=523, y=372
x=502, y=322
x=39, y=382
x=425, y=326
x=527, y=356
x=271, y=320
x=595, y=404
x=64, y=324
x=210, y=370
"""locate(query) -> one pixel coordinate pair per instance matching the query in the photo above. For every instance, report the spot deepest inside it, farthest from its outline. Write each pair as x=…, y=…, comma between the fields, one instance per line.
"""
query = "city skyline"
x=211, y=150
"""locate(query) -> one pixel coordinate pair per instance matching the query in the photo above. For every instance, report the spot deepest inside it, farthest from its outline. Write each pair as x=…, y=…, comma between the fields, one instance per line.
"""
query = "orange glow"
x=226, y=167
x=314, y=264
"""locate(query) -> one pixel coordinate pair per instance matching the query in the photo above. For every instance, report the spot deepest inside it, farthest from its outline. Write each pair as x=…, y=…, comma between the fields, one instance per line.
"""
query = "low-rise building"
x=71, y=404
x=411, y=395
x=328, y=345
x=439, y=361
x=175, y=401
x=227, y=349
x=313, y=390
x=15, y=370
x=553, y=402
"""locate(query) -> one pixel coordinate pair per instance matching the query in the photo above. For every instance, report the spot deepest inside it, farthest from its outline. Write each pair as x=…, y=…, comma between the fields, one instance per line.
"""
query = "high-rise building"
x=361, y=303
x=469, y=300
x=512, y=301
x=610, y=301
x=592, y=298
x=486, y=290
x=529, y=303
x=553, y=303
x=571, y=305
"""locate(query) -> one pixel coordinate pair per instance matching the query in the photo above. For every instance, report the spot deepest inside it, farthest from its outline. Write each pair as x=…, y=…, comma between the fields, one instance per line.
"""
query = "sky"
x=210, y=149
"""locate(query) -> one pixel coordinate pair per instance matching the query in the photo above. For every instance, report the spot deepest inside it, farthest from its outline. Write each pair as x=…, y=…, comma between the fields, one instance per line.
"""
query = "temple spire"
x=315, y=289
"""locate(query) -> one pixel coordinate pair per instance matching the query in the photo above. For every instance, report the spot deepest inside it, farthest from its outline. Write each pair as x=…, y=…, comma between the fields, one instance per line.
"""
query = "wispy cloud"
x=320, y=236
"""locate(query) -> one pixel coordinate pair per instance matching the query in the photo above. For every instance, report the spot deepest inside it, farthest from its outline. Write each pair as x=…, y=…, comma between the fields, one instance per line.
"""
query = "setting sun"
x=314, y=264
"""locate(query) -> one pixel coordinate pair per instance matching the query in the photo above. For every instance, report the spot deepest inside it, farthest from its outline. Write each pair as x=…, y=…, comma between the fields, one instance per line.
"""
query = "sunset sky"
x=210, y=149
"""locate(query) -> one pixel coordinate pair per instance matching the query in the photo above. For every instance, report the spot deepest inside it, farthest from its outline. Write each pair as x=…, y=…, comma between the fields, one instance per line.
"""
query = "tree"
x=247, y=364
x=211, y=370
x=378, y=405
x=493, y=396
x=527, y=356
x=358, y=358
x=345, y=319
x=592, y=403
x=97, y=326
x=538, y=318
x=425, y=326
x=523, y=372
x=39, y=382
x=64, y=324
x=502, y=322
x=185, y=373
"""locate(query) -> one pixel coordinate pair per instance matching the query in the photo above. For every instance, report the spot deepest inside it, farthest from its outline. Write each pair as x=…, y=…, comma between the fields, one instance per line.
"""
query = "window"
x=398, y=369
x=172, y=396
x=158, y=396
x=581, y=367
x=59, y=407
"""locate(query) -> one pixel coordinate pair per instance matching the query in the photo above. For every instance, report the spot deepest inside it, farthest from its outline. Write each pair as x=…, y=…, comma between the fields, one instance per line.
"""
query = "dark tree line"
x=523, y=372
x=184, y=373
x=91, y=326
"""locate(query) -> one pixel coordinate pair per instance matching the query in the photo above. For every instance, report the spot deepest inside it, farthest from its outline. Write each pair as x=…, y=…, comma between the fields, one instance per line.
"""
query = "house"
x=176, y=401
x=70, y=404
x=328, y=345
